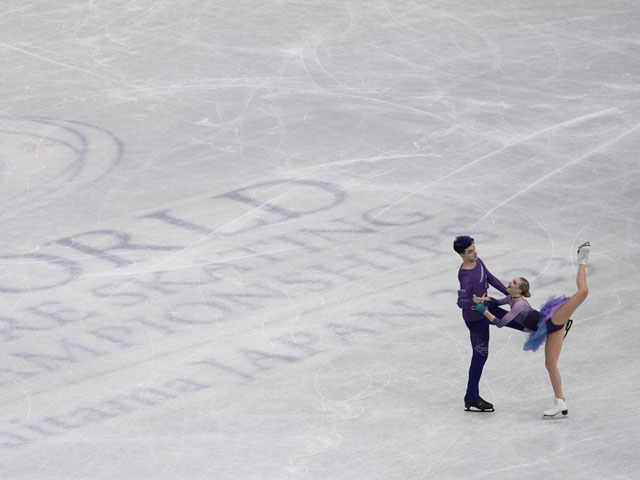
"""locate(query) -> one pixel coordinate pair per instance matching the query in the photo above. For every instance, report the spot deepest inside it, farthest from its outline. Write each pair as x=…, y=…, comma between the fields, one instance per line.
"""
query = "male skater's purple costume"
x=475, y=282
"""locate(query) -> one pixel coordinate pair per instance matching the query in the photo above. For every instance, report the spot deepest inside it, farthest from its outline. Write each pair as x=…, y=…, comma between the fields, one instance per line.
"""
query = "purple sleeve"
x=495, y=283
x=465, y=295
x=517, y=309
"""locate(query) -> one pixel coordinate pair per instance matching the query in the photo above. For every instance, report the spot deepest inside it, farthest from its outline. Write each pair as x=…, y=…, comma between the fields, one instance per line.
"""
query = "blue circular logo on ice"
x=42, y=159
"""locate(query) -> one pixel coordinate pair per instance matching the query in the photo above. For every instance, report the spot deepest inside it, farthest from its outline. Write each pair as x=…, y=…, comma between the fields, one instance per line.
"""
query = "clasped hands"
x=479, y=303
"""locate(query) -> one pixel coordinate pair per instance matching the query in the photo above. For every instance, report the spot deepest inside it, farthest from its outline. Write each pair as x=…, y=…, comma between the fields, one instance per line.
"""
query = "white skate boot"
x=559, y=405
x=583, y=253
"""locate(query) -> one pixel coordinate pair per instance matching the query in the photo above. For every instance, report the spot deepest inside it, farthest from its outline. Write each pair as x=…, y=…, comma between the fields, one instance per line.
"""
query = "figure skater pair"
x=547, y=326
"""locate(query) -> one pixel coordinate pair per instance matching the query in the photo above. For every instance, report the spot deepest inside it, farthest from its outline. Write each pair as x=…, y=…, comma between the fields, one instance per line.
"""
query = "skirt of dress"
x=537, y=338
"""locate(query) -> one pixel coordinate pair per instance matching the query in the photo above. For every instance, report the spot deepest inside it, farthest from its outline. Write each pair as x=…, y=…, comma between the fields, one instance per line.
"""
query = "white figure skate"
x=559, y=406
x=583, y=253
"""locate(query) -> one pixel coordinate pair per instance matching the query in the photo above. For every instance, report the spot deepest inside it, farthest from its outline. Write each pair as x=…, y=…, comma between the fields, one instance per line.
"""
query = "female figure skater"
x=548, y=323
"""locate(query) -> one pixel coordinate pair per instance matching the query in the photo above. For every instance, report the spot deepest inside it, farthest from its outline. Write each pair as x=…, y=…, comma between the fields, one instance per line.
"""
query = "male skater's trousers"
x=479, y=336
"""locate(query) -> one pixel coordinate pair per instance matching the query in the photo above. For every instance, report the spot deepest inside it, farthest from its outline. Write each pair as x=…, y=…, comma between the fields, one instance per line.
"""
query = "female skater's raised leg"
x=566, y=310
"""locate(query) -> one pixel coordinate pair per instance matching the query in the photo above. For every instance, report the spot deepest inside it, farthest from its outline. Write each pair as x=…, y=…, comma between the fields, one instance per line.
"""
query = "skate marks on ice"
x=193, y=288
x=45, y=158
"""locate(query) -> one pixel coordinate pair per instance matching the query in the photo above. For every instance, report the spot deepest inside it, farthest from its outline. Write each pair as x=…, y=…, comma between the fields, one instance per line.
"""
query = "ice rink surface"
x=227, y=228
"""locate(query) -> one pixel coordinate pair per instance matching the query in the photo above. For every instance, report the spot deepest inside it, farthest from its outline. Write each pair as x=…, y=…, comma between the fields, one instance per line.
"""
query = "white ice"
x=227, y=228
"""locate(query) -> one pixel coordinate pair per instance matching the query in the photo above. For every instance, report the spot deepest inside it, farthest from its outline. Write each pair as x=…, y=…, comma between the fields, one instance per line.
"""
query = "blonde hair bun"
x=524, y=287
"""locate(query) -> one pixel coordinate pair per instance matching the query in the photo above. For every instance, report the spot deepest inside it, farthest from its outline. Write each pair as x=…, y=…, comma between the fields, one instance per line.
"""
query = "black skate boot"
x=567, y=327
x=479, y=405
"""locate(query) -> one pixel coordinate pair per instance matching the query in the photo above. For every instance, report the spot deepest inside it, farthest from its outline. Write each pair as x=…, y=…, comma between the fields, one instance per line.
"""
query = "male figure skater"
x=474, y=279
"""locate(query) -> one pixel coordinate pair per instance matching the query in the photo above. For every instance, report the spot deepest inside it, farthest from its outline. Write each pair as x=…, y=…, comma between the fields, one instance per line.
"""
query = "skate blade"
x=474, y=409
x=557, y=415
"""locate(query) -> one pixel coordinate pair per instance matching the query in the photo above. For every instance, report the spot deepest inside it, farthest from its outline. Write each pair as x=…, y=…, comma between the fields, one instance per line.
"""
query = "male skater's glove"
x=479, y=307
